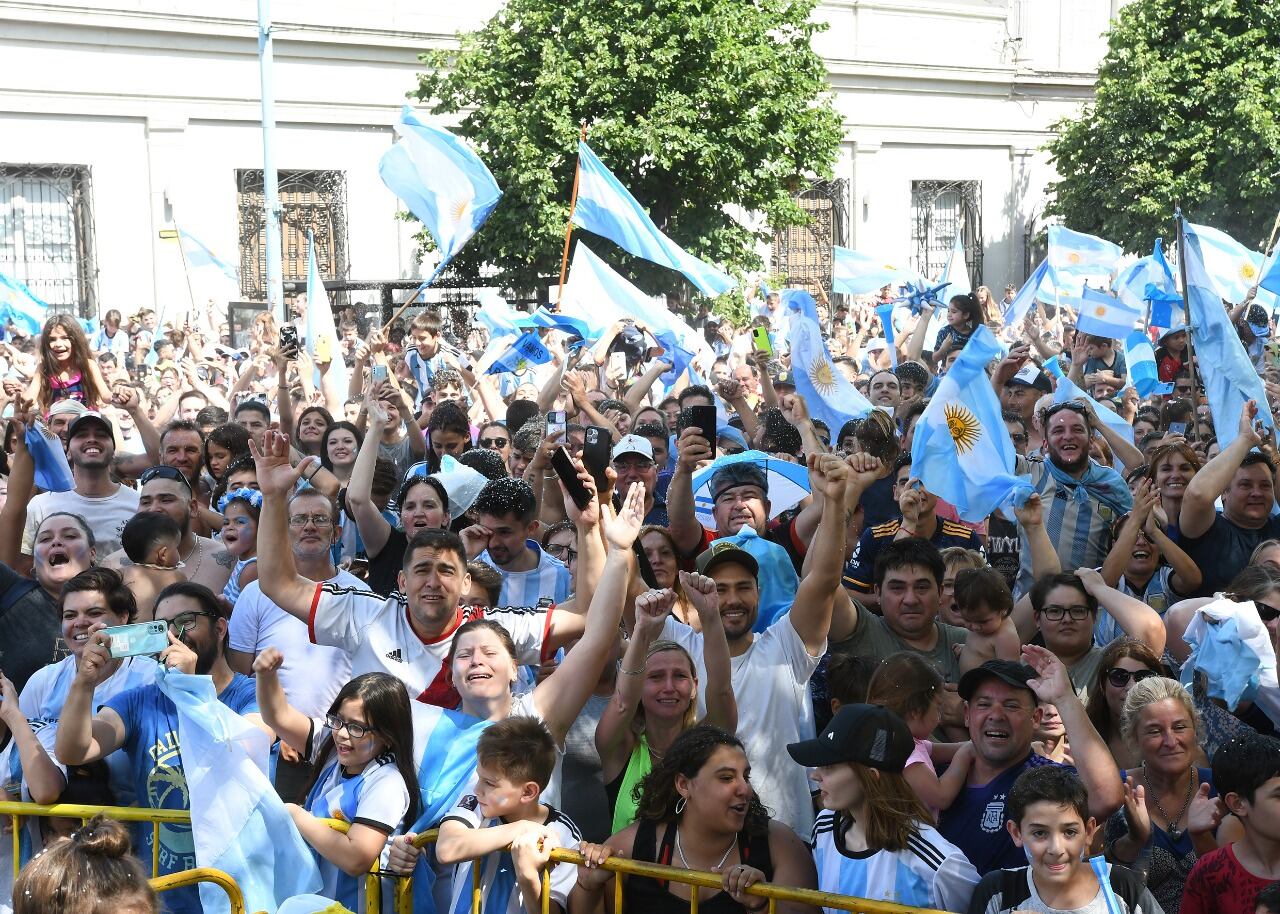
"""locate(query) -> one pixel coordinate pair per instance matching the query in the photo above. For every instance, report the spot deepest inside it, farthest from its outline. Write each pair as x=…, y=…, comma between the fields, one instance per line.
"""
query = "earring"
x=680, y=804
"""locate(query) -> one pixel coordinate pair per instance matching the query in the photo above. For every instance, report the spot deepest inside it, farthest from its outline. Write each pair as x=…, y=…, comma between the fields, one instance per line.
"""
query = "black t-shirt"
x=29, y=628
x=1004, y=553
x=385, y=566
x=878, y=504
x=1224, y=549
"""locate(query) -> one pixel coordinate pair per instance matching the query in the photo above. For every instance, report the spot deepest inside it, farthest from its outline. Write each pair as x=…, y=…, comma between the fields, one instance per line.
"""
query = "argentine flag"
x=1148, y=280
x=1075, y=257
x=607, y=208
x=20, y=305
x=1230, y=268
x=238, y=822
x=1016, y=311
x=442, y=182
x=1140, y=357
x=322, y=338
x=826, y=391
x=1103, y=315
x=962, y=451
x=53, y=473
x=855, y=273
x=526, y=350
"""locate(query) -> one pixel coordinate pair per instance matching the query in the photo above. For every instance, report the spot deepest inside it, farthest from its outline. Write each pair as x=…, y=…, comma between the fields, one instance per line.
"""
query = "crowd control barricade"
x=198, y=875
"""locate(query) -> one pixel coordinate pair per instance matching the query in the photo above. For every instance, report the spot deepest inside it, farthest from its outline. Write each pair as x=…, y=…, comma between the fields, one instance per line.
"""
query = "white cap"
x=875, y=344
x=633, y=444
x=61, y=407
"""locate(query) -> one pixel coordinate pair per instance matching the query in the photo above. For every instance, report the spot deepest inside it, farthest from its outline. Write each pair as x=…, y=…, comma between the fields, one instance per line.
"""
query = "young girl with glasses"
x=362, y=756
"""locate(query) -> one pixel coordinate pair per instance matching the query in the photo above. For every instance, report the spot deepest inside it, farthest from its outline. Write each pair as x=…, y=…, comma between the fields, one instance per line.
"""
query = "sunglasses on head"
x=1077, y=408
x=163, y=472
x=1121, y=678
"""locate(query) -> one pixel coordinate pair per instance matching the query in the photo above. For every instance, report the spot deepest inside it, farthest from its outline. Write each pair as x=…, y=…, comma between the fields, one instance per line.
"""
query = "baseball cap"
x=88, y=418
x=867, y=734
x=742, y=473
x=633, y=444
x=1015, y=674
x=67, y=407
x=1030, y=375
x=876, y=344
x=723, y=551
x=784, y=378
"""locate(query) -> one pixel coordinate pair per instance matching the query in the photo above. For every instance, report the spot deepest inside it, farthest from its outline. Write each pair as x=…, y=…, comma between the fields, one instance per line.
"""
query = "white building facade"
x=119, y=121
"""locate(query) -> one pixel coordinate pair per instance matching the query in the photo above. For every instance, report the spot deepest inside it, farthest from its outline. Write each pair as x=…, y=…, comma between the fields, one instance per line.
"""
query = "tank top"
x=652, y=896
x=71, y=389
x=621, y=789
x=232, y=588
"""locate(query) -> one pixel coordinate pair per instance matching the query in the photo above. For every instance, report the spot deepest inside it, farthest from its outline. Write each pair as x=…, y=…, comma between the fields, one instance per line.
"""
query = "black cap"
x=722, y=551
x=784, y=378
x=89, y=418
x=867, y=734
x=1015, y=674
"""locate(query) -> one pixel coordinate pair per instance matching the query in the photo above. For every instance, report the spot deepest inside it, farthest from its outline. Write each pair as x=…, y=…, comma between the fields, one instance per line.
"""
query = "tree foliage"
x=1187, y=111
x=695, y=105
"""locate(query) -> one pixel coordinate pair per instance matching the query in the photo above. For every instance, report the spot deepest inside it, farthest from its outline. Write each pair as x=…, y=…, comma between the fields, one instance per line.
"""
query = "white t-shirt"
x=105, y=515
x=311, y=674
x=500, y=888
x=376, y=632
x=771, y=683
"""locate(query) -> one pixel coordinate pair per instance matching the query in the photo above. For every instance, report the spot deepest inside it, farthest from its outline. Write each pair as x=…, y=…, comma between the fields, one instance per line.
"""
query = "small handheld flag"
x=1103, y=315
x=53, y=473
x=322, y=338
x=525, y=351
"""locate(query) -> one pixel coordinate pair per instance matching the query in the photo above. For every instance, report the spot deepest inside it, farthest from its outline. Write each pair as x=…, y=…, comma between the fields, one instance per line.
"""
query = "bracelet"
x=639, y=672
x=314, y=471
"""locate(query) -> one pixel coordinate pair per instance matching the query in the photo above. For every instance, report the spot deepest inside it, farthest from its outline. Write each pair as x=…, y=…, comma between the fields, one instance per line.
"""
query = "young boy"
x=1246, y=772
x=515, y=759
x=985, y=603
x=1048, y=817
x=151, y=543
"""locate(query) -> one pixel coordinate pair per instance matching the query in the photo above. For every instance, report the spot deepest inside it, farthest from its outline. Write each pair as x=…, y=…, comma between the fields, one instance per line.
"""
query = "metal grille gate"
x=46, y=234
x=939, y=209
x=802, y=253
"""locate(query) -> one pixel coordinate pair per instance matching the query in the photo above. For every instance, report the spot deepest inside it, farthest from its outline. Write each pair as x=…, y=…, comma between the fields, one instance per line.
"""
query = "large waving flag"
x=238, y=822
x=444, y=184
x=1016, y=311
x=1230, y=268
x=962, y=451
x=20, y=305
x=855, y=273
x=53, y=473
x=1067, y=389
x=210, y=277
x=1104, y=315
x=1140, y=357
x=498, y=317
x=607, y=208
x=1271, y=273
x=322, y=338
x=1230, y=380
x=598, y=295
x=1075, y=257
x=826, y=391
x=1148, y=279
x=525, y=351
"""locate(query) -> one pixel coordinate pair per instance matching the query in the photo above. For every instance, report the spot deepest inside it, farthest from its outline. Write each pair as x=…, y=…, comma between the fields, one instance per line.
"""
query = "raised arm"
x=82, y=736
x=1044, y=559
x=640, y=389
x=132, y=465
x=1145, y=498
x=392, y=391
x=722, y=707
x=1135, y=618
x=1211, y=480
x=815, y=597
x=277, y=574
x=374, y=528
x=561, y=696
x=42, y=776
x=692, y=448
x=13, y=517
x=1089, y=751
x=614, y=736
x=290, y=724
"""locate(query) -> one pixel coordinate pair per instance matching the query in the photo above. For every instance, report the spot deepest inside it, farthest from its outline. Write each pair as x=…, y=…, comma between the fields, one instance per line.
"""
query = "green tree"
x=696, y=105
x=1187, y=110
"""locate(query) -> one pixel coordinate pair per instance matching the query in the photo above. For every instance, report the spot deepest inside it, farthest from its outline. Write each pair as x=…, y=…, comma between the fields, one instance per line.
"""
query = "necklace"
x=685, y=863
x=1172, y=831
x=198, y=552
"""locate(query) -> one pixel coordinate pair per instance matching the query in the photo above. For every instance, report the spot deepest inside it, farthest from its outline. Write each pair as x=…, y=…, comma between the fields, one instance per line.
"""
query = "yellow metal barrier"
x=202, y=874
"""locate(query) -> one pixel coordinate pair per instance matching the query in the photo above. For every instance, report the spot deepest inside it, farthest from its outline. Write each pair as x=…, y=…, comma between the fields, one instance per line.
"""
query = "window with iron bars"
x=46, y=234
x=309, y=200
x=940, y=210
x=802, y=253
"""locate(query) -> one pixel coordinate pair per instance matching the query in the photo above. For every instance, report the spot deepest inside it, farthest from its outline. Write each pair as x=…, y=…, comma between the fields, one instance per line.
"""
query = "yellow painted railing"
x=202, y=874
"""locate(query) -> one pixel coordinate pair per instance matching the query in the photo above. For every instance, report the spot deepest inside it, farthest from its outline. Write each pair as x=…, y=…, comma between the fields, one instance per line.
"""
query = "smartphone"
x=760, y=341
x=562, y=463
x=138, y=640
x=701, y=417
x=556, y=422
x=378, y=374
x=1177, y=428
x=289, y=340
x=596, y=454
x=618, y=364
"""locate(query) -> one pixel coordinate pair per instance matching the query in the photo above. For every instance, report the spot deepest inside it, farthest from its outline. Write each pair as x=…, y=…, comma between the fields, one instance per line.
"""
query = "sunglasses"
x=1121, y=678
x=494, y=442
x=1267, y=612
x=163, y=472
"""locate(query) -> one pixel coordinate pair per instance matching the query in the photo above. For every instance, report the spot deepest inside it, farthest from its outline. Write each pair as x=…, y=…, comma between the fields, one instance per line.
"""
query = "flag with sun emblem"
x=1075, y=257
x=441, y=181
x=1102, y=314
x=826, y=391
x=1230, y=268
x=961, y=450
x=1229, y=377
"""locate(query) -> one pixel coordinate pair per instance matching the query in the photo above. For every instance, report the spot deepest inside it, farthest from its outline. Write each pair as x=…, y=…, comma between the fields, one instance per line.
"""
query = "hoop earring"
x=680, y=804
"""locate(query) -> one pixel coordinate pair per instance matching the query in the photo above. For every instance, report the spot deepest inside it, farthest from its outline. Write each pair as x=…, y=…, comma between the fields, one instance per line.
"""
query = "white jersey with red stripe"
x=376, y=632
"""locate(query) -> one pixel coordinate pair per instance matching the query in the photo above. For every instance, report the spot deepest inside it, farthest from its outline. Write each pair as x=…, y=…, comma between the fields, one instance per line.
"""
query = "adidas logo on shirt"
x=395, y=656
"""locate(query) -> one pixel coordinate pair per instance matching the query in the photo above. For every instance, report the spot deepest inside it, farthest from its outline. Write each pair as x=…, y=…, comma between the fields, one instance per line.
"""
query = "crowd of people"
x=665, y=657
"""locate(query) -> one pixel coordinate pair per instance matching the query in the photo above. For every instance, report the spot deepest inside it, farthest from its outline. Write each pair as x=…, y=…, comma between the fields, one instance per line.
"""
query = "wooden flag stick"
x=395, y=317
x=568, y=229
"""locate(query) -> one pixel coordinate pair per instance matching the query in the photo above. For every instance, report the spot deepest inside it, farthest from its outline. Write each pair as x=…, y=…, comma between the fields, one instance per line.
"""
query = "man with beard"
x=144, y=721
x=165, y=489
x=105, y=505
x=1082, y=498
x=1220, y=542
x=503, y=536
x=1003, y=704
x=771, y=669
x=312, y=674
